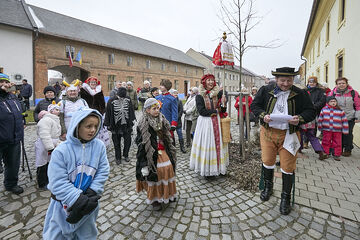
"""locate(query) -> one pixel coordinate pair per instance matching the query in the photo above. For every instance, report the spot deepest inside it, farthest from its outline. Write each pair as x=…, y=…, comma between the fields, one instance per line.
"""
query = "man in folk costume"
x=169, y=107
x=282, y=108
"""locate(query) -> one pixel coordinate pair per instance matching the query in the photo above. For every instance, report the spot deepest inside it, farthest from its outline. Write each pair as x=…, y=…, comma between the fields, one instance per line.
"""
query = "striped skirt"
x=203, y=157
x=165, y=188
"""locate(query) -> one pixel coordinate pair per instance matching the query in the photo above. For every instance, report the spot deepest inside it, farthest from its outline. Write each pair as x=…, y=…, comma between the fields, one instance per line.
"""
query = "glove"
x=93, y=201
x=172, y=128
x=75, y=210
x=145, y=171
x=50, y=151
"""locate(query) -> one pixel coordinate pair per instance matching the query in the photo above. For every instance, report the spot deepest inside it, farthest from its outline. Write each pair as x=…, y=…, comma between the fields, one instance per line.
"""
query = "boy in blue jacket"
x=77, y=173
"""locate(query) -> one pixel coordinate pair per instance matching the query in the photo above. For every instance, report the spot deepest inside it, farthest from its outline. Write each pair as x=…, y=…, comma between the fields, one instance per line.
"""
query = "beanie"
x=149, y=102
x=329, y=98
x=121, y=92
x=49, y=88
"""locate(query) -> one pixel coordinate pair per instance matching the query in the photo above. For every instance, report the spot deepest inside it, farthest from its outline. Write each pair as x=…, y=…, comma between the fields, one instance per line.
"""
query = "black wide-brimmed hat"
x=285, y=71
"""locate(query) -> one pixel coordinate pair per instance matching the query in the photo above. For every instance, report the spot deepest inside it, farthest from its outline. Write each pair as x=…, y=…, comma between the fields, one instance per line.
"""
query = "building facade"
x=330, y=45
x=229, y=75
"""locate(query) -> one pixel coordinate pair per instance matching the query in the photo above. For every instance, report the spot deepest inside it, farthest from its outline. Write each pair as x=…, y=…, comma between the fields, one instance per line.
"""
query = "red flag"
x=223, y=55
x=217, y=60
x=70, y=59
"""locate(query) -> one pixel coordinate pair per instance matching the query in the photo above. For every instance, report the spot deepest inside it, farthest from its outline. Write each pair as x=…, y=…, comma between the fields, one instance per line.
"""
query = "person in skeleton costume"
x=156, y=156
x=282, y=108
x=70, y=103
x=119, y=119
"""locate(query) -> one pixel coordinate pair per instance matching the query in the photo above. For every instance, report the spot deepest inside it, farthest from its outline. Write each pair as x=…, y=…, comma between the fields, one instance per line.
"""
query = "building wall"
x=342, y=40
x=51, y=54
x=16, y=53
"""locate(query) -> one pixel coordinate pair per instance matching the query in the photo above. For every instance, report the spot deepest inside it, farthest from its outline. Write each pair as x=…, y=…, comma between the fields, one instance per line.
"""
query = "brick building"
x=107, y=54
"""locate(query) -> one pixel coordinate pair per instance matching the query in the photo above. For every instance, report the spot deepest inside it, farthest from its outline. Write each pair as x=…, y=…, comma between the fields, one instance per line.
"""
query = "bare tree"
x=240, y=17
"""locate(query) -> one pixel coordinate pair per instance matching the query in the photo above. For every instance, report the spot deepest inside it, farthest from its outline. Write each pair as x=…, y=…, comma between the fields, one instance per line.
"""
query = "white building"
x=330, y=44
x=16, y=41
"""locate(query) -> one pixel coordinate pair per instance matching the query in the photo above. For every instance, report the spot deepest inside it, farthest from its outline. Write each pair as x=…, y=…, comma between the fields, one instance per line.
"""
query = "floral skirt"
x=165, y=188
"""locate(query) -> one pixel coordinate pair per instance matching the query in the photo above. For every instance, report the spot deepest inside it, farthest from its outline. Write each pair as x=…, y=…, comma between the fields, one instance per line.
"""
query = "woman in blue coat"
x=77, y=173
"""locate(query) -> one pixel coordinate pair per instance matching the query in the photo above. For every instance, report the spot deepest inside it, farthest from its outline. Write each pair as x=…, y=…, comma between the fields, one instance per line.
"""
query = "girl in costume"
x=156, y=156
x=209, y=155
x=77, y=171
x=48, y=131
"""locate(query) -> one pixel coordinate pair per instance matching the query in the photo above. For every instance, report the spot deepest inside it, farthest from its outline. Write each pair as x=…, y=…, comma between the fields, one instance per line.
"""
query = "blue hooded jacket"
x=74, y=167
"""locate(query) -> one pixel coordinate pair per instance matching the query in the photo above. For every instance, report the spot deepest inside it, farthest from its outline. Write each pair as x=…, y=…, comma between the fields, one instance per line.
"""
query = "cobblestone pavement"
x=205, y=209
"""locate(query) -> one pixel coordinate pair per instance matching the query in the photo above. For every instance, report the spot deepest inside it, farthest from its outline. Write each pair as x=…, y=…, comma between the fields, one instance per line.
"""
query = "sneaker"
x=323, y=156
x=346, y=154
x=16, y=190
x=336, y=158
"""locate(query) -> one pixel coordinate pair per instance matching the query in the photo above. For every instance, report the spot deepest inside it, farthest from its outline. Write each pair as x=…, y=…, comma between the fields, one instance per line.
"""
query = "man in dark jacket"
x=144, y=93
x=50, y=95
x=175, y=93
x=282, y=108
x=11, y=134
x=26, y=92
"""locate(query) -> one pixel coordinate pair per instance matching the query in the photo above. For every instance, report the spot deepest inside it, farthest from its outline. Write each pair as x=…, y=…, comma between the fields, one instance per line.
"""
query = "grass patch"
x=30, y=117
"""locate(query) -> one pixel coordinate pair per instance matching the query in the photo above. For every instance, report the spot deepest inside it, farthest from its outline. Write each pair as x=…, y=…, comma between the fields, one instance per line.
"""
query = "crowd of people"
x=74, y=121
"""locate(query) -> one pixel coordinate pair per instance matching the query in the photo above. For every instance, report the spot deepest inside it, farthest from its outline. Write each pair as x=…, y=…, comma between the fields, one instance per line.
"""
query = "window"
x=313, y=55
x=186, y=71
x=327, y=31
x=148, y=64
x=111, y=58
x=176, y=84
x=318, y=72
x=318, y=47
x=129, y=61
x=175, y=68
x=70, y=49
x=326, y=72
x=342, y=11
x=111, y=82
x=163, y=67
x=340, y=65
x=129, y=79
x=196, y=72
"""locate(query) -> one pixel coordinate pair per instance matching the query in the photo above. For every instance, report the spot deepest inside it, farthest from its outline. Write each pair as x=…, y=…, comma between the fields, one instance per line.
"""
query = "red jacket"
x=243, y=105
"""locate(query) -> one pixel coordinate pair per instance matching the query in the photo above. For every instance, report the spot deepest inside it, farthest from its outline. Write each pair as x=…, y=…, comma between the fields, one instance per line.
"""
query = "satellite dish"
x=18, y=77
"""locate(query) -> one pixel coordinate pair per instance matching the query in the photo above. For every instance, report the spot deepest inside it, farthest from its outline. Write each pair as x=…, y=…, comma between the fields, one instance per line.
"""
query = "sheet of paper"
x=280, y=118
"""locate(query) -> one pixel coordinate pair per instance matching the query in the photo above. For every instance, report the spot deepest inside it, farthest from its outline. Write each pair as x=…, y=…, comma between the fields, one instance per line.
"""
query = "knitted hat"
x=130, y=83
x=4, y=77
x=329, y=98
x=150, y=101
x=49, y=88
x=53, y=106
x=166, y=83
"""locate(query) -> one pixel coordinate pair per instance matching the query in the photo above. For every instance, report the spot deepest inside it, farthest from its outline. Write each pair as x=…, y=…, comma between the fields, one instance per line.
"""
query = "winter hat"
x=89, y=79
x=166, y=83
x=173, y=91
x=150, y=102
x=195, y=90
x=121, y=92
x=130, y=83
x=329, y=98
x=4, y=77
x=154, y=89
x=53, y=106
x=42, y=114
x=49, y=88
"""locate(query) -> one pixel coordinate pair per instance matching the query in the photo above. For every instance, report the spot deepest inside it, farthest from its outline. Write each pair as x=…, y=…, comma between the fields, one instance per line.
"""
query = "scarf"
x=342, y=91
x=162, y=128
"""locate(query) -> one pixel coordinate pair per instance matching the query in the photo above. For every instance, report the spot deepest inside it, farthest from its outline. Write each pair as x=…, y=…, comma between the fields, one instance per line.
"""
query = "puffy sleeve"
x=102, y=172
x=44, y=130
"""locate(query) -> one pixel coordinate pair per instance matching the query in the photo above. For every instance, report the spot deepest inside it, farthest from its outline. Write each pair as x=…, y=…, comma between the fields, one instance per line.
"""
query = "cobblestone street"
x=205, y=209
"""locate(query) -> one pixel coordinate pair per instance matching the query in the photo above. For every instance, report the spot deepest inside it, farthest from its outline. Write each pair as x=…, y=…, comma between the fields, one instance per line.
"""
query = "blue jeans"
x=179, y=133
x=11, y=158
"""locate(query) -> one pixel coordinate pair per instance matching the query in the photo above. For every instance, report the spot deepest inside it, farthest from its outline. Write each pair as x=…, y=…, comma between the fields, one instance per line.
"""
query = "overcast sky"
x=185, y=24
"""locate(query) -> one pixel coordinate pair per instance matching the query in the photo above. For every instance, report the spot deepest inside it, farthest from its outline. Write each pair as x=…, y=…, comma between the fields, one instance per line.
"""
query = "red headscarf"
x=207, y=76
x=89, y=79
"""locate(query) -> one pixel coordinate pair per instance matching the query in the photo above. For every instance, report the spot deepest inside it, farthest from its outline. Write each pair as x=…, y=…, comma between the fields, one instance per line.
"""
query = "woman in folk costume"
x=91, y=92
x=156, y=156
x=48, y=131
x=77, y=171
x=69, y=104
x=209, y=155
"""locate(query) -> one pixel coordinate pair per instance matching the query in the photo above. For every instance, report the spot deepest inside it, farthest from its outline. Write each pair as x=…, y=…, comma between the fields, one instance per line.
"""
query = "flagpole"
x=224, y=81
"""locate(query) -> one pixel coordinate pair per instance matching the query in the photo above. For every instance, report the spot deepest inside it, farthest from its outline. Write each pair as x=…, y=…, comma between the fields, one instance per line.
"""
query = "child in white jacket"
x=48, y=131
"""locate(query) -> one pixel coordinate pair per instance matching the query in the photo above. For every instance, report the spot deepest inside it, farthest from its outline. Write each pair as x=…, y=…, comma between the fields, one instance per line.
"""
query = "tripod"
x=24, y=158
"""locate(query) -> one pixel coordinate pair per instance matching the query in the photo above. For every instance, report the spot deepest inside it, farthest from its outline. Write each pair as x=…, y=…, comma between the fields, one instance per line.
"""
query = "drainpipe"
x=305, y=60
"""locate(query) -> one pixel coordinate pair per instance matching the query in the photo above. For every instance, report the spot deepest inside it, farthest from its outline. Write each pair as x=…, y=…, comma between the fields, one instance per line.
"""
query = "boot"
x=285, y=207
x=268, y=180
x=323, y=156
x=182, y=146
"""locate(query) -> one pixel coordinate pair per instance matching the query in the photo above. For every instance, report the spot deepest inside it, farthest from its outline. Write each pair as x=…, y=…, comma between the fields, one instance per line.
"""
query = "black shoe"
x=285, y=207
x=126, y=159
x=16, y=190
x=118, y=161
x=44, y=188
x=182, y=146
x=268, y=180
x=156, y=206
